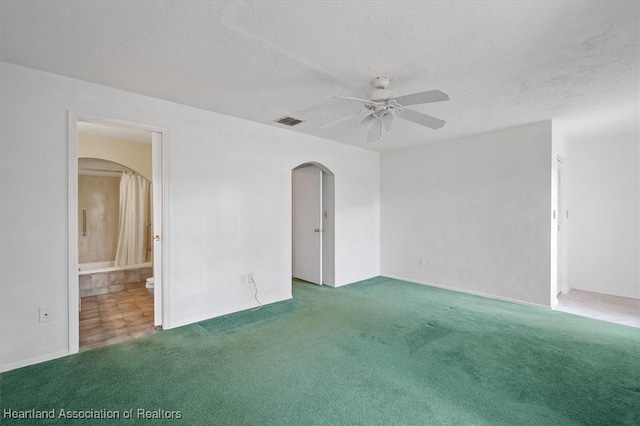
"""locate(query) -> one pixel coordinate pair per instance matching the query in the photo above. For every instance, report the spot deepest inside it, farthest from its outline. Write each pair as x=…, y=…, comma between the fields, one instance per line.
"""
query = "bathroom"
x=115, y=241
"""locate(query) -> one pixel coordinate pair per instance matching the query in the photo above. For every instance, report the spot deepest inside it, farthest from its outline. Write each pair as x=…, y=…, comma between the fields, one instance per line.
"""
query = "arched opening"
x=313, y=224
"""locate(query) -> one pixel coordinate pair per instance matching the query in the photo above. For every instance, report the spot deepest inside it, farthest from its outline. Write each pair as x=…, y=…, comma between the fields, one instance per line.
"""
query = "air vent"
x=288, y=121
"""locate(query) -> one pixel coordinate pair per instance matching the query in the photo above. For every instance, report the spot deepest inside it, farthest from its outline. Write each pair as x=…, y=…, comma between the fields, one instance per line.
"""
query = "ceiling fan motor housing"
x=380, y=95
x=380, y=82
x=379, y=92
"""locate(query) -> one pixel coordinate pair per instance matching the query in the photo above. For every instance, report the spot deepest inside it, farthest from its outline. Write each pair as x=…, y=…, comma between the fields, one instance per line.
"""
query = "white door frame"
x=72, y=243
x=328, y=225
x=158, y=187
x=561, y=180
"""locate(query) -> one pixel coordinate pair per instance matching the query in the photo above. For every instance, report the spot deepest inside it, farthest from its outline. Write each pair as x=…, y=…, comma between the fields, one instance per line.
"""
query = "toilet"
x=150, y=284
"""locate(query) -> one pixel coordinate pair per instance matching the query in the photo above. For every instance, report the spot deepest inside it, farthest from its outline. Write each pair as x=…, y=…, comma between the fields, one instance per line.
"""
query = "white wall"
x=477, y=209
x=604, y=211
x=229, y=207
x=135, y=155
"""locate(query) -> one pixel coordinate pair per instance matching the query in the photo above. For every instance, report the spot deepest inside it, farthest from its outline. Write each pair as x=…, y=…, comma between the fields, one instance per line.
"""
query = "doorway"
x=313, y=224
x=116, y=195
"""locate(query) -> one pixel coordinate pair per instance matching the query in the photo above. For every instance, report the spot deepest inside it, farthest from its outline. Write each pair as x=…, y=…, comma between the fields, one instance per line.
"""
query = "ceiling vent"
x=288, y=121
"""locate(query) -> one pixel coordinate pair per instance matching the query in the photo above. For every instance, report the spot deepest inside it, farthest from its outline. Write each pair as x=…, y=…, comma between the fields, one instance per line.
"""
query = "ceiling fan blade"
x=422, y=98
x=366, y=101
x=343, y=119
x=420, y=118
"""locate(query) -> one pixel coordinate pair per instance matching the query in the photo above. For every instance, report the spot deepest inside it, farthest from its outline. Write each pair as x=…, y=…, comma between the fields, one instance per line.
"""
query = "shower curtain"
x=134, y=213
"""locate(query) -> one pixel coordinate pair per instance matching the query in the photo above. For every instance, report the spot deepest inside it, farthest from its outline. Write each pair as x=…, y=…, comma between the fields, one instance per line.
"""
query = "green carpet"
x=379, y=352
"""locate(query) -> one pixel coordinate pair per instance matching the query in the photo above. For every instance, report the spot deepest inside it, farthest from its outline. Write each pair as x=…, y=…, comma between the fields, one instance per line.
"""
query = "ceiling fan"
x=382, y=106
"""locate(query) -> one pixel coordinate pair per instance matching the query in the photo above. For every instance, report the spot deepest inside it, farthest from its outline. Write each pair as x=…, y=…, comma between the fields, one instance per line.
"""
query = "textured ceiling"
x=502, y=63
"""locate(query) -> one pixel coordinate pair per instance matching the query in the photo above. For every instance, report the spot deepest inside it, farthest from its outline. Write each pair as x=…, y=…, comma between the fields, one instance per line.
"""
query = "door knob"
x=317, y=230
x=156, y=238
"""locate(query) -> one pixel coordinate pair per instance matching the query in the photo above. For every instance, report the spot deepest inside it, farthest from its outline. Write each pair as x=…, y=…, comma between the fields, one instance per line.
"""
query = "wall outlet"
x=45, y=314
x=246, y=278
x=422, y=262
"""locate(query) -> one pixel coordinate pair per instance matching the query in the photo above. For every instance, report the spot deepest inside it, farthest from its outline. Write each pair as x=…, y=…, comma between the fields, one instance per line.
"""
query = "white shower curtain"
x=134, y=195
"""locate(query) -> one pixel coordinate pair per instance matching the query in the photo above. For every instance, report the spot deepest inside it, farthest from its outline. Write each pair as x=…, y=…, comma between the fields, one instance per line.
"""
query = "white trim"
x=73, y=337
x=591, y=289
x=32, y=361
x=158, y=225
x=72, y=141
x=200, y=318
x=562, y=219
x=475, y=293
x=553, y=228
x=166, y=288
x=117, y=122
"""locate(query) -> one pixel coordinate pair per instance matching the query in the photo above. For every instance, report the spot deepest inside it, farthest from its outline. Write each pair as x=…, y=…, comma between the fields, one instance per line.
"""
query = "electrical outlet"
x=45, y=314
x=422, y=262
x=249, y=278
x=246, y=278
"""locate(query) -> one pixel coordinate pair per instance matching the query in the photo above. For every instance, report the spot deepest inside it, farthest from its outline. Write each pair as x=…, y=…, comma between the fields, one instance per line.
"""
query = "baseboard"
x=474, y=293
x=32, y=361
x=193, y=320
x=342, y=284
x=604, y=291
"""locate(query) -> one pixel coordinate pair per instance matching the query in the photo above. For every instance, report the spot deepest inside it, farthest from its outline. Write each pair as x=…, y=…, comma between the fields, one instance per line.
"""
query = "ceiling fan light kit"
x=383, y=105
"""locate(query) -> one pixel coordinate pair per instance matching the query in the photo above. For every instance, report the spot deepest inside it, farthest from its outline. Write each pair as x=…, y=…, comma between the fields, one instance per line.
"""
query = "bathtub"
x=103, y=277
x=109, y=266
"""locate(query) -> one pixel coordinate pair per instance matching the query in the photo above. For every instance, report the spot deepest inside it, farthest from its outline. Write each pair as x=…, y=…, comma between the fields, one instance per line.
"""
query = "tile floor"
x=621, y=310
x=116, y=317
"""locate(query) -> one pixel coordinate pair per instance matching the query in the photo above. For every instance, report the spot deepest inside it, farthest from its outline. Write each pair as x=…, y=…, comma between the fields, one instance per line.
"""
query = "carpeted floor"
x=379, y=352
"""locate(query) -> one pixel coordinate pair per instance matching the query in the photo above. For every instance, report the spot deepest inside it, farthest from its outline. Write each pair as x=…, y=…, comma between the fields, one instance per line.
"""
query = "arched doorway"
x=313, y=224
